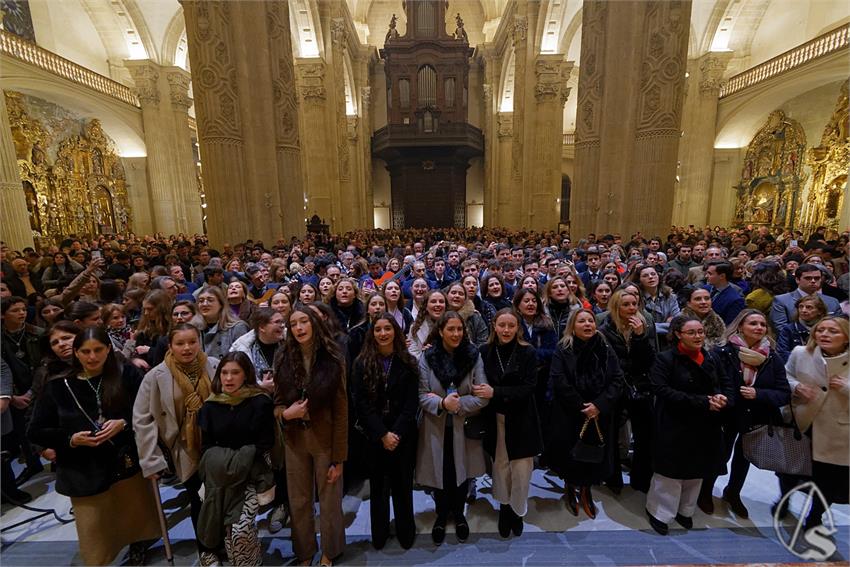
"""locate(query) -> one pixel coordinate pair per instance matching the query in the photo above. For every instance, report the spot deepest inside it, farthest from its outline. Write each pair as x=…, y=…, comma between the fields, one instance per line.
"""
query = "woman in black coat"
x=587, y=382
x=85, y=413
x=691, y=390
x=761, y=388
x=633, y=340
x=385, y=384
x=238, y=414
x=512, y=435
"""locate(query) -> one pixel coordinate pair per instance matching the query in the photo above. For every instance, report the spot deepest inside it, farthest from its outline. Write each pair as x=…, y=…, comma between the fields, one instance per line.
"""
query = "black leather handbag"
x=589, y=451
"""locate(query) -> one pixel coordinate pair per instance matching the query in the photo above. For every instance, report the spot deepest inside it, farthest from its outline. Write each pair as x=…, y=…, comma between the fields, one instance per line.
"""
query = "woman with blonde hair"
x=819, y=376
x=588, y=382
x=633, y=340
x=560, y=302
x=761, y=388
x=221, y=327
x=433, y=308
x=238, y=302
x=347, y=306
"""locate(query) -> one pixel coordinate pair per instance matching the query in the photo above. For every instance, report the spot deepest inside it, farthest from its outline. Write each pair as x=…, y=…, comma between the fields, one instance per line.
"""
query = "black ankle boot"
x=505, y=520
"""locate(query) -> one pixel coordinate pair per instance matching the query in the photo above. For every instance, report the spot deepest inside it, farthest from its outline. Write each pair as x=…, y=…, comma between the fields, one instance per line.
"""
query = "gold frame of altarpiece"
x=83, y=192
x=772, y=179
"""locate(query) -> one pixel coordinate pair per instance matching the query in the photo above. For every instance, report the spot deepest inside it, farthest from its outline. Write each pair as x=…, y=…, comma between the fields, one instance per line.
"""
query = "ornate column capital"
x=548, y=69
x=179, y=81
x=520, y=30
x=505, y=124
x=712, y=66
x=339, y=33
x=145, y=74
x=488, y=92
x=311, y=78
x=351, y=127
x=366, y=97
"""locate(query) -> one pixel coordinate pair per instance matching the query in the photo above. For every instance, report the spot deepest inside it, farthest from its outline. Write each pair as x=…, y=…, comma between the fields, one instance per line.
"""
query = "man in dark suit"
x=726, y=300
x=809, y=281
x=594, y=272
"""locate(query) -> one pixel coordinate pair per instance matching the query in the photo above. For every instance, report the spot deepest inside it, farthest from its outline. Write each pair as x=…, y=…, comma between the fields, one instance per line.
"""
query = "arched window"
x=426, y=81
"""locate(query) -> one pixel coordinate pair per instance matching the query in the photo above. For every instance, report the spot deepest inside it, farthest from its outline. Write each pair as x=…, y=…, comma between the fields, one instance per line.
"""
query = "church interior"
x=243, y=119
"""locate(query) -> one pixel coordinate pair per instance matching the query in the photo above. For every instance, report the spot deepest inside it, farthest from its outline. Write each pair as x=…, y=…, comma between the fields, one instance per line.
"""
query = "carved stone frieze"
x=311, y=77
x=663, y=67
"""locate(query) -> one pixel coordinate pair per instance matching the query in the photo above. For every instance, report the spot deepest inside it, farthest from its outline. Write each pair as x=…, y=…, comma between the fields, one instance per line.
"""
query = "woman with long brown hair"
x=385, y=383
x=311, y=400
x=222, y=328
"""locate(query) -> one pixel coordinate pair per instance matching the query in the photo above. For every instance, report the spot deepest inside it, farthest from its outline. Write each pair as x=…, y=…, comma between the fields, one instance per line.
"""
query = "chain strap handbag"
x=586, y=451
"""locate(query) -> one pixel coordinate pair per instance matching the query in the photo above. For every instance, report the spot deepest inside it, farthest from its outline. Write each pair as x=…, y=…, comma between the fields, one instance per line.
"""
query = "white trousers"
x=669, y=496
x=511, y=479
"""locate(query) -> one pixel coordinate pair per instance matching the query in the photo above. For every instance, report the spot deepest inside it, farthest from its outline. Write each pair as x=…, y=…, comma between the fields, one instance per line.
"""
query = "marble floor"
x=620, y=535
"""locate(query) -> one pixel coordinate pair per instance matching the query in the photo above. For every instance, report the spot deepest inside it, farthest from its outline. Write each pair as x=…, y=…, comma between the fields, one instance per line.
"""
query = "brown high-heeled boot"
x=587, y=502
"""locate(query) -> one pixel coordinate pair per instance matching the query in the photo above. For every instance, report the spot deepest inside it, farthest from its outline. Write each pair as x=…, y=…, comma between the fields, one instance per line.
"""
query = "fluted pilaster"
x=14, y=217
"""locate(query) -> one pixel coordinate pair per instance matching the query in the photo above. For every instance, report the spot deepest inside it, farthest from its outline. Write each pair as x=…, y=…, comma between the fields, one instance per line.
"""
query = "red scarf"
x=695, y=355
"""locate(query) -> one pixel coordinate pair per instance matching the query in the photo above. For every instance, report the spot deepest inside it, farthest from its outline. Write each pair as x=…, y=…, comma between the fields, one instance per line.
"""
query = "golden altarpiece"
x=772, y=179
x=829, y=163
x=73, y=185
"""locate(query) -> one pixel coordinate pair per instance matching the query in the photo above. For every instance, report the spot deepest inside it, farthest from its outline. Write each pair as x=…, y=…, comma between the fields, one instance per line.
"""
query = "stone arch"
x=506, y=92
x=174, y=34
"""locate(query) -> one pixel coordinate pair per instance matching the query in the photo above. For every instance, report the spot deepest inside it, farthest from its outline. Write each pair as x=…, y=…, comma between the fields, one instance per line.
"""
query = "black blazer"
x=513, y=396
x=635, y=358
x=82, y=471
x=687, y=438
x=772, y=389
x=395, y=406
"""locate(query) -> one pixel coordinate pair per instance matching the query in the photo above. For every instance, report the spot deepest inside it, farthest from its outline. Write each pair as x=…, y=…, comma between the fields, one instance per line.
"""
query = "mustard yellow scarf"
x=196, y=388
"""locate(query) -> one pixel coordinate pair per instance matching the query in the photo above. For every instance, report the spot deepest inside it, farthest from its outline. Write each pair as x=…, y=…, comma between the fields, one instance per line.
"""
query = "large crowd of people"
x=264, y=377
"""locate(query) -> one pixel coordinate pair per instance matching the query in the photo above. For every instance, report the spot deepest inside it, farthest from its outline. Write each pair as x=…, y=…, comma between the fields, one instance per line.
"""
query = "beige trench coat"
x=468, y=453
x=154, y=418
x=829, y=413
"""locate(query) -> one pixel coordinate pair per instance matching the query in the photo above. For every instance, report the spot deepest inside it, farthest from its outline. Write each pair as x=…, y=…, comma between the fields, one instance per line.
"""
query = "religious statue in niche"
x=392, y=33
x=771, y=177
x=460, y=31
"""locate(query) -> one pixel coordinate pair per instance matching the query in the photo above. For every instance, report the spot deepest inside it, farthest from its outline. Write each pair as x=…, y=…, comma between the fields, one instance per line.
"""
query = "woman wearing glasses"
x=691, y=391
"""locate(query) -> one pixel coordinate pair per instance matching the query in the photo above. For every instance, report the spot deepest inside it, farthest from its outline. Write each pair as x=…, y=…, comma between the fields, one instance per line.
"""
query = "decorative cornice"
x=311, y=78
x=520, y=30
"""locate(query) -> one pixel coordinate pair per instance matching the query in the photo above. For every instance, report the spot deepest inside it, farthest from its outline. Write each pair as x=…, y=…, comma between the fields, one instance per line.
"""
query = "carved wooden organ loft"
x=427, y=142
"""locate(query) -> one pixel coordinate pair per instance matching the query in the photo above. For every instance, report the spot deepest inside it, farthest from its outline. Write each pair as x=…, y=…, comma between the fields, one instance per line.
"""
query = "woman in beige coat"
x=166, y=411
x=819, y=376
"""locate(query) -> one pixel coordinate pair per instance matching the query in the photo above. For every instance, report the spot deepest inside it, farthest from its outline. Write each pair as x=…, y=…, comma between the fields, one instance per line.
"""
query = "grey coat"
x=468, y=453
x=217, y=341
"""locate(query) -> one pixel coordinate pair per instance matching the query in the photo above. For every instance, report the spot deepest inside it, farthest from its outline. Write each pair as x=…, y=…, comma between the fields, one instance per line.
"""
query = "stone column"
x=14, y=217
x=165, y=191
x=633, y=60
x=546, y=139
x=246, y=110
x=505, y=212
x=696, y=151
x=190, y=200
x=313, y=96
x=520, y=42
